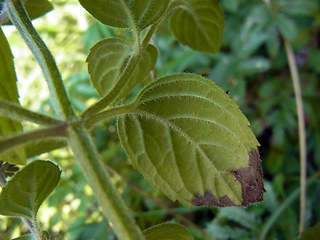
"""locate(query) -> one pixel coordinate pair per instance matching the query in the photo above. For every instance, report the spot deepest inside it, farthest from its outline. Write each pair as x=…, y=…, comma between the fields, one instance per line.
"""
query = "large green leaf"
x=107, y=59
x=199, y=24
x=34, y=8
x=125, y=13
x=9, y=91
x=190, y=139
x=26, y=191
x=167, y=231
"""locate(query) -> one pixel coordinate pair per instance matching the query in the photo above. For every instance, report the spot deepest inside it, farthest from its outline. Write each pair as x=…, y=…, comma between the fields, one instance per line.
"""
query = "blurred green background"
x=251, y=65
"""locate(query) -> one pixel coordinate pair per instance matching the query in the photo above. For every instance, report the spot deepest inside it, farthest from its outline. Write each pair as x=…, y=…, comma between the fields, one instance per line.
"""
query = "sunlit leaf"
x=190, y=139
x=9, y=91
x=25, y=192
x=107, y=59
x=167, y=231
x=125, y=13
x=199, y=24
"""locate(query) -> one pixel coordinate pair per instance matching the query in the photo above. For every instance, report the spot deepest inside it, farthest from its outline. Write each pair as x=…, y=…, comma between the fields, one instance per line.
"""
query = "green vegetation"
x=250, y=64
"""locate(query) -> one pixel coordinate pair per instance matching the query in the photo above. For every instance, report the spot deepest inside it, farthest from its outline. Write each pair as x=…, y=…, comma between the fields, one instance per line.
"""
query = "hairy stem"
x=302, y=134
x=20, y=19
x=112, y=204
x=15, y=111
x=111, y=96
x=26, y=137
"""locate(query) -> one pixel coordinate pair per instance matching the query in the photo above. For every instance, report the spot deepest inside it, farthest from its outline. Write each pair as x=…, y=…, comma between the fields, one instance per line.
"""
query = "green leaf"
x=298, y=7
x=189, y=139
x=25, y=192
x=241, y=216
x=122, y=13
x=167, y=231
x=108, y=58
x=34, y=8
x=253, y=65
x=287, y=27
x=25, y=237
x=9, y=91
x=199, y=24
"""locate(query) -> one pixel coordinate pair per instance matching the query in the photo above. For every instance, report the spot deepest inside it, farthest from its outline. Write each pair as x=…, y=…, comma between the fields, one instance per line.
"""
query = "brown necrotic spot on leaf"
x=251, y=184
x=251, y=180
x=209, y=200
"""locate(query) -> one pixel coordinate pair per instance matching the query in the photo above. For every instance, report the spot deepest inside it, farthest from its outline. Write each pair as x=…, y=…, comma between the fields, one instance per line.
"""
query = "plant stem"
x=20, y=19
x=112, y=204
x=302, y=134
x=105, y=115
x=16, y=112
x=23, y=138
x=111, y=96
x=98, y=178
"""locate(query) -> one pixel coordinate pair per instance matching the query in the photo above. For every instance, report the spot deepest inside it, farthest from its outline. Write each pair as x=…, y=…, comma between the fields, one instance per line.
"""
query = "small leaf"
x=253, y=65
x=287, y=27
x=189, y=139
x=9, y=91
x=167, y=231
x=121, y=13
x=199, y=24
x=107, y=59
x=25, y=192
x=241, y=216
x=34, y=8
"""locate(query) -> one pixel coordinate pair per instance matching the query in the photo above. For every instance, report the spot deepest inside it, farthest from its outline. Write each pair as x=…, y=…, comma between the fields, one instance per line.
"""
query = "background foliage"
x=251, y=66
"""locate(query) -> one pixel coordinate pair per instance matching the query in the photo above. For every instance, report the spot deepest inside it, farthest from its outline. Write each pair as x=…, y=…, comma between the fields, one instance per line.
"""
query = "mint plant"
x=182, y=132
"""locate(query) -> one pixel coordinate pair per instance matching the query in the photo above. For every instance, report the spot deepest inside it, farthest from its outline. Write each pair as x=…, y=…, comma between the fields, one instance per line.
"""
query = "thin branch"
x=302, y=134
x=26, y=137
x=15, y=111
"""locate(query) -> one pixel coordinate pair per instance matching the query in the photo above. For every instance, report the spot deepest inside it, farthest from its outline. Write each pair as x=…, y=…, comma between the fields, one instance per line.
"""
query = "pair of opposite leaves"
x=183, y=133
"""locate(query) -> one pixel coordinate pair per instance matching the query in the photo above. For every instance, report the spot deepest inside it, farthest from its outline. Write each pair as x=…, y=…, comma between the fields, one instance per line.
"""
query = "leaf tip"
x=251, y=182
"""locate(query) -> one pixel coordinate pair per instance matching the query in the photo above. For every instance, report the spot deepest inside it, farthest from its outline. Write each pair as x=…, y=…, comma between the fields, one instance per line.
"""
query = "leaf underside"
x=199, y=24
x=126, y=14
x=107, y=59
x=35, y=8
x=167, y=231
x=9, y=92
x=189, y=139
x=26, y=191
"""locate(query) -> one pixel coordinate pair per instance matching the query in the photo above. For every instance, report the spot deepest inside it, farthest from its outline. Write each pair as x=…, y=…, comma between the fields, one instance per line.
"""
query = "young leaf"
x=9, y=91
x=25, y=192
x=167, y=231
x=122, y=13
x=107, y=59
x=199, y=24
x=190, y=139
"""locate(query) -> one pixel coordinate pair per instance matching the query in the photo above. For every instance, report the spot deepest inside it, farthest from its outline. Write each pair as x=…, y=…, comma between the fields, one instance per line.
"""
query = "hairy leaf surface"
x=190, y=139
x=26, y=191
x=199, y=24
x=9, y=91
x=125, y=13
x=107, y=59
x=167, y=231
